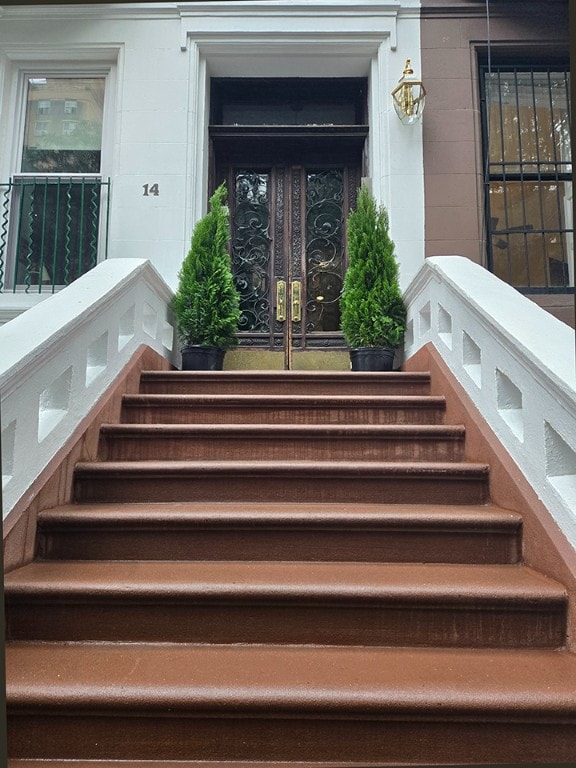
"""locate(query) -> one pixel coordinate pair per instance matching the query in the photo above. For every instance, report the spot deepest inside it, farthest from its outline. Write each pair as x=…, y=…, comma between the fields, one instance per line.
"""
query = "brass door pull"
x=281, y=300
x=296, y=301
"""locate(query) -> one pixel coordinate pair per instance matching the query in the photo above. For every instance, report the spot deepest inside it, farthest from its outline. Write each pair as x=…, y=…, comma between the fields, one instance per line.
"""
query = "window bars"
x=51, y=230
x=528, y=176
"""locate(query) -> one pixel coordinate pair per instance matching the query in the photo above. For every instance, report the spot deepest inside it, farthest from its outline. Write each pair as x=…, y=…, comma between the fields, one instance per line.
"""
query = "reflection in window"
x=58, y=145
x=528, y=176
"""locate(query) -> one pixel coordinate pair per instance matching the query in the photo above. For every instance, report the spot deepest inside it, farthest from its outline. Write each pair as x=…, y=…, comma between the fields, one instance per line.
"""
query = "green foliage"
x=373, y=311
x=206, y=303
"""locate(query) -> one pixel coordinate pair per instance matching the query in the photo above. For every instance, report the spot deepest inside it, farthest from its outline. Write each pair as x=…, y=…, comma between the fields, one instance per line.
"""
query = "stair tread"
x=270, y=375
x=430, y=431
x=279, y=680
x=225, y=514
x=185, y=764
x=262, y=580
x=331, y=468
x=222, y=400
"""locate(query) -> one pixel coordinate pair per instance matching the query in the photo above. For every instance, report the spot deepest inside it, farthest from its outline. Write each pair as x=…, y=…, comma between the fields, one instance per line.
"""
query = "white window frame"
x=21, y=65
x=66, y=73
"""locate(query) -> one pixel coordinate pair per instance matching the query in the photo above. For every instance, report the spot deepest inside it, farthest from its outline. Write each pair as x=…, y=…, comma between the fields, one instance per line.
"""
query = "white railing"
x=60, y=356
x=517, y=364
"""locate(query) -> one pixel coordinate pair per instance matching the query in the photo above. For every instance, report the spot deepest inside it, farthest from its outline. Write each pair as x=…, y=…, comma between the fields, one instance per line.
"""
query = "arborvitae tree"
x=206, y=303
x=373, y=311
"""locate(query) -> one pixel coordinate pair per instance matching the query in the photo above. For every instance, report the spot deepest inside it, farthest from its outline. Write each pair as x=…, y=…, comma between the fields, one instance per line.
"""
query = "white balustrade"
x=515, y=361
x=59, y=357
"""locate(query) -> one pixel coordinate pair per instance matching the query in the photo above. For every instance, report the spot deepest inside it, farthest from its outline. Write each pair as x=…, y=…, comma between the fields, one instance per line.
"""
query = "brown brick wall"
x=452, y=33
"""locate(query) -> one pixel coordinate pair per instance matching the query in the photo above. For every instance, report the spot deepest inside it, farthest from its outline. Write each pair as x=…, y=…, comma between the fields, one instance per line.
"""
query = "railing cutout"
x=8, y=450
x=54, y=403
x=472, y=359
x=560, y=465
x=97, y=358
x=509, y=400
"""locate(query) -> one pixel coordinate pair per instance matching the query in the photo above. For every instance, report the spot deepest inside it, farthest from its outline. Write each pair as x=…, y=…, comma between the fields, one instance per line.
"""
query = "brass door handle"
x=296, y=301
x=281, y=300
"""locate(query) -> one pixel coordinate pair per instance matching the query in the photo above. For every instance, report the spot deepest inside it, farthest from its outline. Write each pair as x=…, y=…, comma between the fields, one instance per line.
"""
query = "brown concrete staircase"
x=290, y=569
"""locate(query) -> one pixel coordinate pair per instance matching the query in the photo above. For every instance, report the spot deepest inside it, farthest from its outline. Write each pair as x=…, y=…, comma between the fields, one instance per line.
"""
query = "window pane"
x=528, y=121
x=530, y=227
x=53, y=143
x=324, y=249
x=531, y=232
x=559, y=90
x=251, y=248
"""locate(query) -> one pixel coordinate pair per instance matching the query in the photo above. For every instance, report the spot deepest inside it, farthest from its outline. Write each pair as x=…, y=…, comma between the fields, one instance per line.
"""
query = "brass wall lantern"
x=409, y=96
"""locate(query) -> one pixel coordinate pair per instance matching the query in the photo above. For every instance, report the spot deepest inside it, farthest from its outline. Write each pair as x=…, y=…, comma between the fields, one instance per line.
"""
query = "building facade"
x=497, y=155
x=118, y=121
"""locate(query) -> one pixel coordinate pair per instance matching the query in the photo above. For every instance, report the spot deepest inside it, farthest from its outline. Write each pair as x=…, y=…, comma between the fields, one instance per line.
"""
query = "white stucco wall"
x=158, y=59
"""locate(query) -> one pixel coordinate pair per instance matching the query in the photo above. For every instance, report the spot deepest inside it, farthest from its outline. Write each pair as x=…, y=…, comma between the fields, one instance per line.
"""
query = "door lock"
x=281, y=300
x=296, y=301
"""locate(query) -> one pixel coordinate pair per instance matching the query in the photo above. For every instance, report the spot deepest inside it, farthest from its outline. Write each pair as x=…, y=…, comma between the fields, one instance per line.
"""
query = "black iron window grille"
x=52, y=230
x=528, y=176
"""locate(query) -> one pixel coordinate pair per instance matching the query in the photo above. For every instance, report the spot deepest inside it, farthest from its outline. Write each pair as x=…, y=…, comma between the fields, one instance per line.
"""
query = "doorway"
x=291, y=187
x=288, y=254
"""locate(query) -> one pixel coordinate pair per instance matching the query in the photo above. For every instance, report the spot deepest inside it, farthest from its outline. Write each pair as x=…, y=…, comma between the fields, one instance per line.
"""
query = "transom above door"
x=288, y=254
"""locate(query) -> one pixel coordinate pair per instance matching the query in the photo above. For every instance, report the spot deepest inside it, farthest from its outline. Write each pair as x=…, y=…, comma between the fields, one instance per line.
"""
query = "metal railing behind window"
x=51, y=230
x=528, y=176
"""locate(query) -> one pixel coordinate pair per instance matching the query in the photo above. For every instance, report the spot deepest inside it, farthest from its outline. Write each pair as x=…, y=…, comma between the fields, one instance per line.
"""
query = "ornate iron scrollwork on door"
x=324, y=256
x=251, y=249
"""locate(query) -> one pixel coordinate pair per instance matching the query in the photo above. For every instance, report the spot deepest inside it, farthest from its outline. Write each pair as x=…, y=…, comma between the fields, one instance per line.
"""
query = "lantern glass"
x=409, y=97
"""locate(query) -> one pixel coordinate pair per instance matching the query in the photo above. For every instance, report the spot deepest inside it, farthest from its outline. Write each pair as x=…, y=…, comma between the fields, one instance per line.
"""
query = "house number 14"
x=151, y=189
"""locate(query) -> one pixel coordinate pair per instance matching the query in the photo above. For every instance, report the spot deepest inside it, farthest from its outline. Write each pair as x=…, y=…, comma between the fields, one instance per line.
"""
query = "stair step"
x=387, y=442
x=182, y=702
x=183, y=764
x=256, y=531
x=285, y=382
x=279, y=602
x=290, y=481
x=282, y=409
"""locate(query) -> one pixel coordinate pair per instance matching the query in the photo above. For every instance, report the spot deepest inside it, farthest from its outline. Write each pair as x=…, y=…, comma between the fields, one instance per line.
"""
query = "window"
x=55, y=199
x=528, y=176
x=288, y=101
x=63, y=148
x=68, y=127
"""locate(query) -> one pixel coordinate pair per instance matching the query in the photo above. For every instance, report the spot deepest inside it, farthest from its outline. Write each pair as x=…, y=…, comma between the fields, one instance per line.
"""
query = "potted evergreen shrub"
x=206, y=303
x=373, y=314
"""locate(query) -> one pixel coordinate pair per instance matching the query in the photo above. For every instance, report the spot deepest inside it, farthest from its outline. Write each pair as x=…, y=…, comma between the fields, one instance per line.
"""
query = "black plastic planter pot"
x=198, y=358
x=372, y=359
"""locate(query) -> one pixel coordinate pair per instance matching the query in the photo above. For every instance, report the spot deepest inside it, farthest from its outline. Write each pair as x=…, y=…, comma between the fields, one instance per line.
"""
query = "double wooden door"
x=288, y=236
